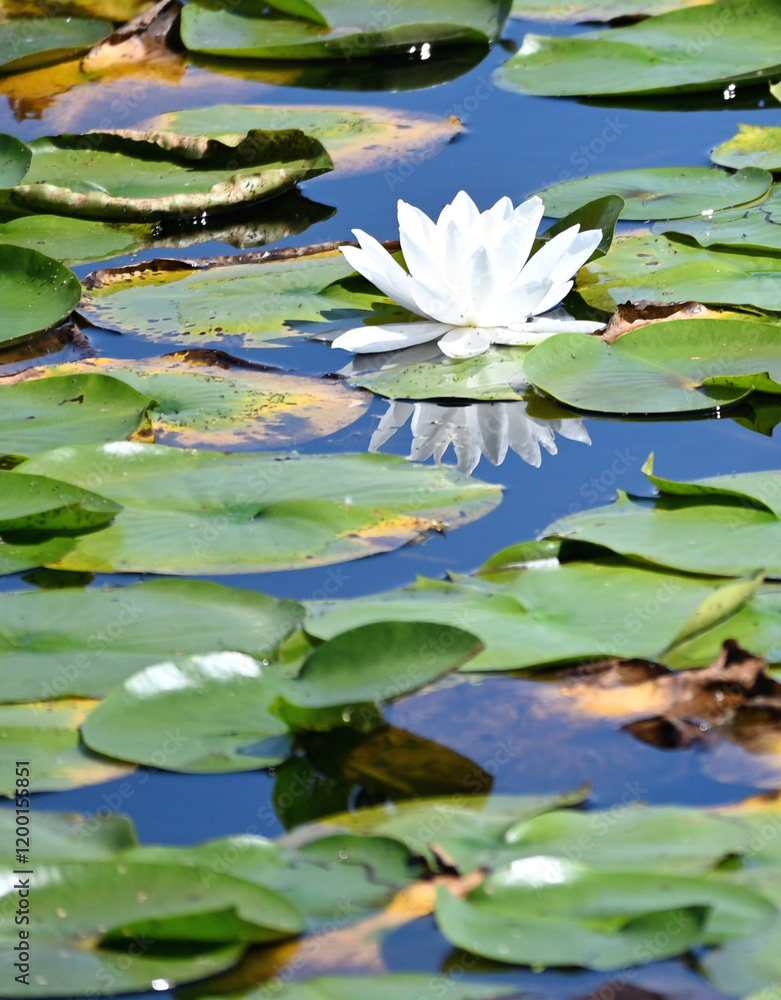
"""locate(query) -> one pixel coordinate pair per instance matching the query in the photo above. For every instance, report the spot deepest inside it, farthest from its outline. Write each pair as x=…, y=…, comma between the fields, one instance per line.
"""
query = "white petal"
x=375, y=263
x=390, y=337
x=465, y=342
x=545, y=262
x=578, y=253
x=417, y=234
x=515, y=306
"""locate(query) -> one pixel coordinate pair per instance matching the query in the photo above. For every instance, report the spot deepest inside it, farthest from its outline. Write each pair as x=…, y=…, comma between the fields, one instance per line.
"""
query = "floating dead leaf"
x=207, y=398
x=151, y=36
x=638, y=688
x=631, y=315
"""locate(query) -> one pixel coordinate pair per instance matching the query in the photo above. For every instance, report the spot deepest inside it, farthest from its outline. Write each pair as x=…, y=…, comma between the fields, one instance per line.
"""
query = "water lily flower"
x=489, y=429
x=471, y=277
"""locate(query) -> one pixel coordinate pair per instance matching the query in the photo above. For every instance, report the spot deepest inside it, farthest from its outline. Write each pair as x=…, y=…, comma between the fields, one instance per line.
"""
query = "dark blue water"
x=514, y=145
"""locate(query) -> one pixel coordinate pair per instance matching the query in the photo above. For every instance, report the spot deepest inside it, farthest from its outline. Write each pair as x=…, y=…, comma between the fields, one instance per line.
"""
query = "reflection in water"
x=489, y=429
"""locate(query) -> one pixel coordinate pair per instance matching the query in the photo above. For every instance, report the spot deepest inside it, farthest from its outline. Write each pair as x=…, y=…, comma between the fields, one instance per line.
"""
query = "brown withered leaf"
x=638, y=690
x=152, y=36
x=631, y=315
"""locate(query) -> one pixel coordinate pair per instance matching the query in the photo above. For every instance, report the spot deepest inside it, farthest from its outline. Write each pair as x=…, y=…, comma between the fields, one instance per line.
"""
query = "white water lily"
x=471, y=276
x=489, y=429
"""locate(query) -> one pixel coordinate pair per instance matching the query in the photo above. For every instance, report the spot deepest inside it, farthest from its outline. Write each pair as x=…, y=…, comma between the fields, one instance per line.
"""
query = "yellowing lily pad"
x=206, y=398
x=233, y=304
x=357, y=139
x=46, y=734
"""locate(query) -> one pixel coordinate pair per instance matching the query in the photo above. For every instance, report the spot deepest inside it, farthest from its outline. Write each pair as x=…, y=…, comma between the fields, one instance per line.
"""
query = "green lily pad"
x=37, y=415
x=351, y=32
x=758, y=626
x=71, y=836
x=47, y=735
x=26, y=42
x=498, y=374
x=661, y=192
x=57, y=643
x=36, y=291
x=40, y=504
x=141, y=175
x=548, y=911
x=224, y=706
x=74, y=241
x=207, y=714
x=659, y=269
x=744, y=968
x=754, y=227
x=356, y=139
x=188, y=511
x=90, y=916
x=15, y=159
x=661, y=55
x=539, y=615
x=250, y=302
x=682, y=366
x=368, y=871
x=16, y=556
x=467, y=829
x=204, y=398
x=596, y=10
x=753, y=146
x=724, y=525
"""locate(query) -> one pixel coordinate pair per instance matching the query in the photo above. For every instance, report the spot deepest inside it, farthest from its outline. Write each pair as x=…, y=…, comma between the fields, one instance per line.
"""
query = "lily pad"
x=35, y=41
x=91, y=916
x=683, y=366
x=15, y=159
x=663, y=270
x=497, y=374
x=596, y=10
x=41, y=504
x=57, y=643
x=148, y=175
x=109, y=10
x=536, y=616
x=548, y=911
x=661, y=55
x=206, y=714
x=725, y=525
x=47, y=735
x=225, y=705
x=89, y=409
x=204, y=398
x=250, y=302
x=74, y=241
x=356, y=139
x=203, y=512
x=36, y=291
x=750, y=227
x=352, y=32
x=753, y=146
x=661, y=192
x=71, y=836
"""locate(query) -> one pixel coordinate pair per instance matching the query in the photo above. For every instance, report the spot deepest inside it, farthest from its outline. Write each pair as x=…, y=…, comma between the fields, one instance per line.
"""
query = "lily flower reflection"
x=490, y=429
x=471, y=277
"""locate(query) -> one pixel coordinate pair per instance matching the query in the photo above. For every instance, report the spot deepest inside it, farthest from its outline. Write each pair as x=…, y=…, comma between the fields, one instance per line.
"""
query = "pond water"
x=513, y=145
